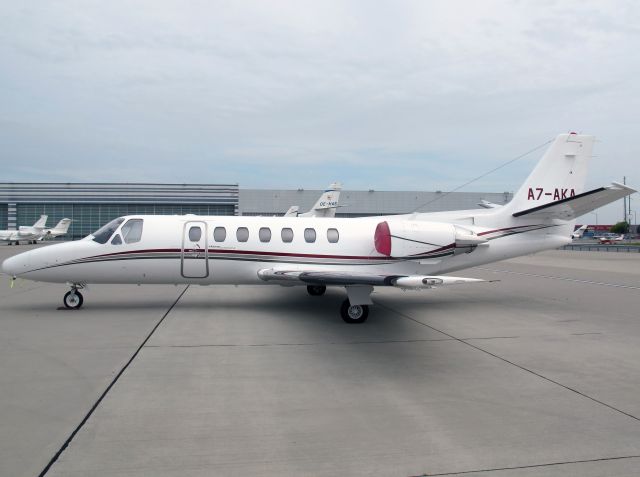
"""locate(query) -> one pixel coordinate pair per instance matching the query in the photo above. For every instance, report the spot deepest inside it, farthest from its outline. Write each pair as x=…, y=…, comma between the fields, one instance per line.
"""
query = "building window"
x=195, y=233
x=333, y=236
x=132, y=231
x=310, y=235
x=287, y=235
x=264, y=234
x=242, y=234
x=219, y=234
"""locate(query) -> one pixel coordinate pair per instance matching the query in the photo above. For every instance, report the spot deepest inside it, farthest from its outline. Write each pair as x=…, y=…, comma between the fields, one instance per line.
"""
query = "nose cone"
x=15, y=265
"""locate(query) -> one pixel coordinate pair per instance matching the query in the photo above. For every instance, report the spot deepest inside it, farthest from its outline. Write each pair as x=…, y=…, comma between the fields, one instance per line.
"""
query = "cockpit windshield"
x=104, y=233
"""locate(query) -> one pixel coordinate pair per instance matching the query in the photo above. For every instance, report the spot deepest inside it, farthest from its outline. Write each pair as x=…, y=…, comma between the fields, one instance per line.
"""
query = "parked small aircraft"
x=25, y=233
x=610, y=240
x=325, y=206
x=412, y=251
x=578, y=233
x=61, y=228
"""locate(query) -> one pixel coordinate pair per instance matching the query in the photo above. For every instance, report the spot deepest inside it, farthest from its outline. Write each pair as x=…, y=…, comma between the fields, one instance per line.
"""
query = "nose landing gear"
x=73, y=299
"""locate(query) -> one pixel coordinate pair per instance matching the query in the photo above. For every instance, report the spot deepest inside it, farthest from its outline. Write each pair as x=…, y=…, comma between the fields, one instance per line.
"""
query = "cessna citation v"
x=411, y=251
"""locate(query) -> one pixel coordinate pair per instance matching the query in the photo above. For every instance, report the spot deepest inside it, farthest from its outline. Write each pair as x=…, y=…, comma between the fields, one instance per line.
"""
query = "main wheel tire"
x=354, y=313
x=316, y=290
x=73, y=300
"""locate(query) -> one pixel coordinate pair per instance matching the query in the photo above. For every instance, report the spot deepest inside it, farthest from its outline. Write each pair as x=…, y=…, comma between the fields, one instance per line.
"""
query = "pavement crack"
x=523, y=368
x=111, y=384
x=532, y=466
x=328, y=343
x=566, y=279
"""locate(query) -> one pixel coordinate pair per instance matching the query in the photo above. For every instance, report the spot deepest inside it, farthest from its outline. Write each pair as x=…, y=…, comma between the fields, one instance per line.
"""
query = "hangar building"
x=91, y=205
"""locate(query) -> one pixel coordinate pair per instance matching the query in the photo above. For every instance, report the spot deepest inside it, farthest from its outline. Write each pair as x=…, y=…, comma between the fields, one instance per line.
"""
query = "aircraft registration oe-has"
x=412, y=251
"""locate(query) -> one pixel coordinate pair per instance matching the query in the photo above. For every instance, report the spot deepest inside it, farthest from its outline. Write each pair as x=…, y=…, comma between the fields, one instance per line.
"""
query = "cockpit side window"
x=104, y=233
x=116, y=240
x=132, y=231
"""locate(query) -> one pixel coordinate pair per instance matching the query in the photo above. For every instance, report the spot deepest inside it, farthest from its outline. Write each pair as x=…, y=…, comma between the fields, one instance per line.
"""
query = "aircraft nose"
x=15, y=265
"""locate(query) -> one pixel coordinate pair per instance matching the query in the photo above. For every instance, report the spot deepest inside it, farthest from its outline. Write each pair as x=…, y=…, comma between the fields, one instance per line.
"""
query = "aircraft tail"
x=41, y=222
x=62, y=227
x=555, y=188
x=327, y=204
x=560, y=174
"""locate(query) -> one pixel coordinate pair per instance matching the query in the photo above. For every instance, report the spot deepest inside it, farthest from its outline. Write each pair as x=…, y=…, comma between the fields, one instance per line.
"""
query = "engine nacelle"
x=418, y=239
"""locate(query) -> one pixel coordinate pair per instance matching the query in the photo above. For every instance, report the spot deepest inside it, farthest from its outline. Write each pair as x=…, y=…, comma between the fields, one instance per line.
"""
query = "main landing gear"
x=355, y=309
x=316, y=290
x=73, y=298
x=354, y=313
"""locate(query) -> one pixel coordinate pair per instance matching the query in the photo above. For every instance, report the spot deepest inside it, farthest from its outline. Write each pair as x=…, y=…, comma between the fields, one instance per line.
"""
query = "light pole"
x=596, y=214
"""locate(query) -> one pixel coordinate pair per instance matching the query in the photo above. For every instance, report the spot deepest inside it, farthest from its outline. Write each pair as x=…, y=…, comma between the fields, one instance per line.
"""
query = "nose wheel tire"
x=73, y=300
x=354, y=313
x=316, y=290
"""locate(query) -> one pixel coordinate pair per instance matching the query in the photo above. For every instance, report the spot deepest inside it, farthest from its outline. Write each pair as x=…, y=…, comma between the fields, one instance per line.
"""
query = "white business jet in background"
x=325, y=206
x=25, y=233
x=578, y=233
x=60, y=229
x=412, y=251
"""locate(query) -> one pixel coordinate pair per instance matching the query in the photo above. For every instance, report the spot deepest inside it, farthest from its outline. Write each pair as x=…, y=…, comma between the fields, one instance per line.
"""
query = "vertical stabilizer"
x=560, y=174
x=41, y=222
x=327, y=204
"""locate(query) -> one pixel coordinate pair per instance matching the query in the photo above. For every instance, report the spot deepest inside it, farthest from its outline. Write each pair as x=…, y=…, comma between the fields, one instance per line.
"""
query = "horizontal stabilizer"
x=572, y=207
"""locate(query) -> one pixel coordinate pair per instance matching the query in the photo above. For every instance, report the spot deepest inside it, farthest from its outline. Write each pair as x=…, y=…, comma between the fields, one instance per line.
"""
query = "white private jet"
x=578, y=233
x=28, y=233
x=325, y=206
x=61, y=228
x=411, y=251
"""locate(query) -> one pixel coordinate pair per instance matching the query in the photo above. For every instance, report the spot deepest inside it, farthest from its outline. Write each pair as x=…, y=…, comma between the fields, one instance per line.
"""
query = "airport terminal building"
x=91, y=205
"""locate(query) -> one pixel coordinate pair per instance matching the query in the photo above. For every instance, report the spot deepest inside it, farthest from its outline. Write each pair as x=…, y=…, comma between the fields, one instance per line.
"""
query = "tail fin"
x=560, y=174
x=41, y=222
x=62, y=226
x=327, y=204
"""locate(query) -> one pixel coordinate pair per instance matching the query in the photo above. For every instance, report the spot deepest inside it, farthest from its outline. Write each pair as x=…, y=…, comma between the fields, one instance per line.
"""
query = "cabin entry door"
x=195, y=252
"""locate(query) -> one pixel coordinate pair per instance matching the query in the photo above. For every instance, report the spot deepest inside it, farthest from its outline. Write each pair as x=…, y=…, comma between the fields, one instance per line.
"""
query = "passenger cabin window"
x=310, y=235
x=104, y=233
x=116, y=240
x=287, y=235
x=333, y=236
x=219, y=234
x=242, y=234
x=132, y=231
x=264, y=234
x=195, y=233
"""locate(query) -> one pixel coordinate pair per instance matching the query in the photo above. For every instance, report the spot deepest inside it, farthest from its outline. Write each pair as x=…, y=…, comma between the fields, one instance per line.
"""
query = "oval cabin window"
x=219, y=234
x=242, y=234
x=195, y=233
x=264, y=234
x=333, y=236
x=287, y=235
x=310, y=235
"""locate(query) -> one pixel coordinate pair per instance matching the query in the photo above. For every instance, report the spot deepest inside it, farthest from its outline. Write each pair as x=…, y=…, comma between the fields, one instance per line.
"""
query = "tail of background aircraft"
x=327, y=204
x=62, y=227
x=41, y=222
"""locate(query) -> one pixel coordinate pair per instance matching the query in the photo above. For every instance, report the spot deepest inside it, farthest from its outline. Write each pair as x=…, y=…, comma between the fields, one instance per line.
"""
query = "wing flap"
x=337, y=278
x=573, y=207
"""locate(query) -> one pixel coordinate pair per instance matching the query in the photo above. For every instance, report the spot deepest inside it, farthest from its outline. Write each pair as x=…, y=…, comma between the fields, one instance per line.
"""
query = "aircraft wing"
x=572, y=207
x=347, y=278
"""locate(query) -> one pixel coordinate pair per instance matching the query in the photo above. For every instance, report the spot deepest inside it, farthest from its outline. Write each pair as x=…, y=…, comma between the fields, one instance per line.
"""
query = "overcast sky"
x=383, y=95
